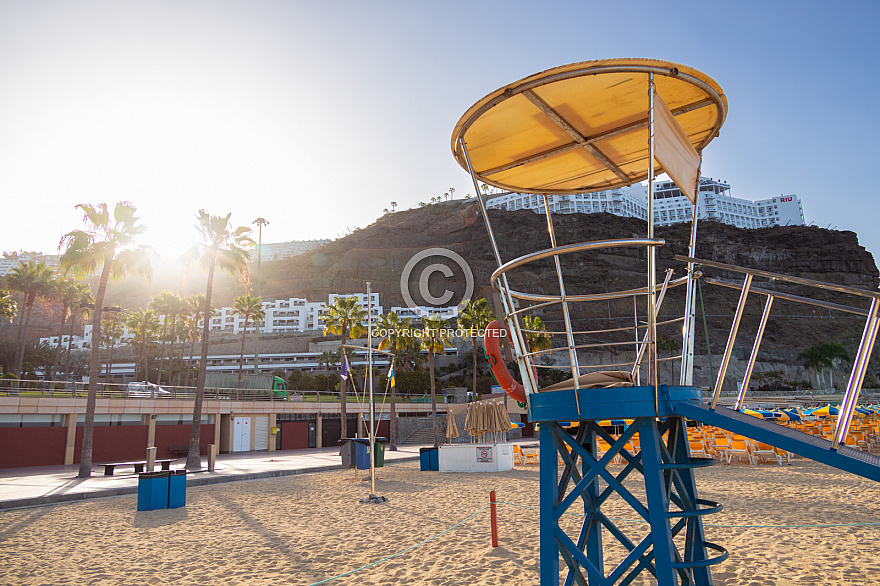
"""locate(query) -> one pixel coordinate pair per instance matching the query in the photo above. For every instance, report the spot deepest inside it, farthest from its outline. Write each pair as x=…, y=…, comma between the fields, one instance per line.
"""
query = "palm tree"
x=474, y=318
x=67, y=293
x=398, y=335
x=144, y=325
x=81, y=307
x=31, y=279
x=435, y=337
x=224, y=247
x=344, y=317
x=114, y=331
x=7, y=305
x=822, y=356
x=251, y=307
x=536, y=333
x=107, y=244
x=178, y=310
x=165, y=304
x=328, y=359
x=195, y=314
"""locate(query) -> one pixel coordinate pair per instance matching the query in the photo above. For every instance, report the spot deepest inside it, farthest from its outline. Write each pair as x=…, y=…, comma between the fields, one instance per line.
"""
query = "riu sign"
x=785, y=198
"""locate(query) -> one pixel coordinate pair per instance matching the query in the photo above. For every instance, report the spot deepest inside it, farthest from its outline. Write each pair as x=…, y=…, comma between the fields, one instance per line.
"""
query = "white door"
x=261, y=433
x=241, y=434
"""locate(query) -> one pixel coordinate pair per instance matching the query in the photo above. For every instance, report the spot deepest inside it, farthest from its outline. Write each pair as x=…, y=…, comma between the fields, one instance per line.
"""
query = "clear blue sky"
x=316, y=115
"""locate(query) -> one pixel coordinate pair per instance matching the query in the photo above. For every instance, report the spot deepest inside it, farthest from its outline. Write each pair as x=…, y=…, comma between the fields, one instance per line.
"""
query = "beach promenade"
x=43, y=485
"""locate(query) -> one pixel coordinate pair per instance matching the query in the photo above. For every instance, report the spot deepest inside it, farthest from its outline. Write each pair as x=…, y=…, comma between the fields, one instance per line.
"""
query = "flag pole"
x=372, y=433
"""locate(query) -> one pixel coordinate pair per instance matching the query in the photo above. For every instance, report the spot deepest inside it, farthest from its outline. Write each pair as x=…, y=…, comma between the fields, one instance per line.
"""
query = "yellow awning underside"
x=583, y=127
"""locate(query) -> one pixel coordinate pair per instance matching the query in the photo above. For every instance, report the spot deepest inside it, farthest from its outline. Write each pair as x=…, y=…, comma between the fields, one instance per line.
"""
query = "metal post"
x=748, y=375
x=641, y=347
x=637, y=374
x=506, y=301
x=860, y=365
x=652, y=256
x=686, y=378
x=572, y=351
x=730, y=340
x=259, y=222
x=372, y=430
x=658, y=500
x=549, y=500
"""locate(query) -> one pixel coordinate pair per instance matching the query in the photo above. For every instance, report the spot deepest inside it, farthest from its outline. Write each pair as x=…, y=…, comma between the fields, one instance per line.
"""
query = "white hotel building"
x=671, y=206
x=282, y=316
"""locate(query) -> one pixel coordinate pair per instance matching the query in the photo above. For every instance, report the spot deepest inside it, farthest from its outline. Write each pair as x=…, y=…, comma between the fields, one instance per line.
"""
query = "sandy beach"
x=311, y=528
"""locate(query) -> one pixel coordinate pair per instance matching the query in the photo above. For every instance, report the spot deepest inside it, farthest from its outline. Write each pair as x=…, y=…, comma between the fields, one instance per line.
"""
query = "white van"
x=145, y=389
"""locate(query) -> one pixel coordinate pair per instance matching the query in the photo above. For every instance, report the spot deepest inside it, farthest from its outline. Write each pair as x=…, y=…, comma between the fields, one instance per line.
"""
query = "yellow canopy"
x=583, y=127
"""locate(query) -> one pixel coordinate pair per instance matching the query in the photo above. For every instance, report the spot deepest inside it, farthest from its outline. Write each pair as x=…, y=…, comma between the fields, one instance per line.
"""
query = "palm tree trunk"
x=19, y=337
x=241, y=358
x=85, y=459
x=189, y=363
x=171, y=358
x=194, y=458
x=68, y=358
x=57, y=363
x=343, y=389
x=474, y=344
x=20, y=354
x=162, y=359
x=433, y=400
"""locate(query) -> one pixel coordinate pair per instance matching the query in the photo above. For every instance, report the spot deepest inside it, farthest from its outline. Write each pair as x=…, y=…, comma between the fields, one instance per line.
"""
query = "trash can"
x=379, y=452
x=347, y=453
x=362, y=453
x=153, y=490
x=429, y=459
x=177, y=489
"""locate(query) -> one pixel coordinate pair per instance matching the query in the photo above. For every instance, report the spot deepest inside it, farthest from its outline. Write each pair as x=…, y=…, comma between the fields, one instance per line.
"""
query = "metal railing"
x=76, y=389
x=863, y=353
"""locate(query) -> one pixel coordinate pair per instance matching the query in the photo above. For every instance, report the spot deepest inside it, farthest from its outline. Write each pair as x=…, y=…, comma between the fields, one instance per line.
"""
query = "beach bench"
x=184, y=450
x=139, y=465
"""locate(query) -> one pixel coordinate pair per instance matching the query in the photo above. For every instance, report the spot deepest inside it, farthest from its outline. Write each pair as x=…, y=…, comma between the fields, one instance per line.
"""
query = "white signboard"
x=484, y=454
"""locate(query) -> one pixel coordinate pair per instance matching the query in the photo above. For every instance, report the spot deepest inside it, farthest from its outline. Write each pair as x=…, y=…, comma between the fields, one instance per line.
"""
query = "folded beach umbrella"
x=451, y=427
x=516, y=424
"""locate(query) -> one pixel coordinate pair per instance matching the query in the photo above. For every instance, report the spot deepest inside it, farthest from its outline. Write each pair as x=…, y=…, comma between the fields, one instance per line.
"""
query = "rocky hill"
x=380, y=252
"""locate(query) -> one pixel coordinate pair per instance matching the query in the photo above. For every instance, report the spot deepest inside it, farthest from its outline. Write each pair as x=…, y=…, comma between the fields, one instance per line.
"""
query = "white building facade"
x=671, y=206
x=292, y=315
x=281, y=250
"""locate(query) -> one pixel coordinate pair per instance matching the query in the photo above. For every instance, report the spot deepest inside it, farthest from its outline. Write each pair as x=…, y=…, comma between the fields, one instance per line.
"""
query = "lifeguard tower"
x=595, y=126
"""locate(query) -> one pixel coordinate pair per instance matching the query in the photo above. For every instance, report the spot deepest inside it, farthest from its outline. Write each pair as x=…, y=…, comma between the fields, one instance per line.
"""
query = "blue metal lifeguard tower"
x=596, y=126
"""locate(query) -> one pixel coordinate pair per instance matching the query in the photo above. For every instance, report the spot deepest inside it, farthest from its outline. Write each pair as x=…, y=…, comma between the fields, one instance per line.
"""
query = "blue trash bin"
x=153, y=490
x=362, y=453
x=429, y=459
x=177, y=489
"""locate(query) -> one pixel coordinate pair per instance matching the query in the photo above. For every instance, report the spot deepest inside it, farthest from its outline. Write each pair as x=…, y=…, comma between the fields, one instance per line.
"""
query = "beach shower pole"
x=372, y=430
x=260, y=222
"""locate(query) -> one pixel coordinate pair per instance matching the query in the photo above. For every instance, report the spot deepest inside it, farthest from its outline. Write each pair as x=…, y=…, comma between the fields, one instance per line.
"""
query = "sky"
x=317, y=115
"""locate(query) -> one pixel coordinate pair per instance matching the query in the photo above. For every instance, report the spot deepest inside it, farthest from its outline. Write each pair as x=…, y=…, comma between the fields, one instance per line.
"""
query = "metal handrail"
x=863, y=353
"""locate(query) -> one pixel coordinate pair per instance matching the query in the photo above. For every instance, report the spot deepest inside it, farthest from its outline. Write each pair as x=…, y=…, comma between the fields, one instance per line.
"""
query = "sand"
x=310, y=528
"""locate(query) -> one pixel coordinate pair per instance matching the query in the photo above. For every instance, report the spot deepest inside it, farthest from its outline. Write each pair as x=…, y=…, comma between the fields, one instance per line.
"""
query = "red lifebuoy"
x=496, y=362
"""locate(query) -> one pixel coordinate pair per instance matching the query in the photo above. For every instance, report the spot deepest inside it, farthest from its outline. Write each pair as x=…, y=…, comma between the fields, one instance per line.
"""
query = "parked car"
x=145, y=389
